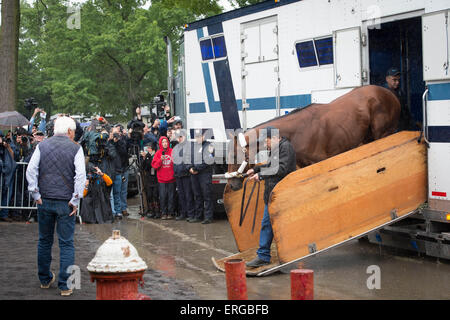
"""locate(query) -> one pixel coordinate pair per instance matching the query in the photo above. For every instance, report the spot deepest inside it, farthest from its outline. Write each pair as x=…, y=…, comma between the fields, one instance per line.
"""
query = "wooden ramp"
x=232, y=200
x=348, y=195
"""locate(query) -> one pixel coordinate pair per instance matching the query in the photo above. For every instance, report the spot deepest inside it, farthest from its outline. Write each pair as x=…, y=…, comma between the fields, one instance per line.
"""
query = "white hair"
x=63, y=124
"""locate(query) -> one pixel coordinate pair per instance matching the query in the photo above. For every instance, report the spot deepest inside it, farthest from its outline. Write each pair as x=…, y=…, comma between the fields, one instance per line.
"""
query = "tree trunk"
x=9, y=49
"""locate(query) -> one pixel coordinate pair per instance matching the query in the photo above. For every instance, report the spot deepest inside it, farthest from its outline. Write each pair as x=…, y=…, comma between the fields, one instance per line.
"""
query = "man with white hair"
x=56, y=177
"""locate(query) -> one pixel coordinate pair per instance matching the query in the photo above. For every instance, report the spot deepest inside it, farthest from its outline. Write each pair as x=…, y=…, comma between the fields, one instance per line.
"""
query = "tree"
x=32, y=81
x=243, y=3
x=9, y=42
x=114, y=62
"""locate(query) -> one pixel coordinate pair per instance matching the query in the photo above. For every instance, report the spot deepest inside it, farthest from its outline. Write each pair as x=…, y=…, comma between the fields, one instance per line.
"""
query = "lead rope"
x=244, y=212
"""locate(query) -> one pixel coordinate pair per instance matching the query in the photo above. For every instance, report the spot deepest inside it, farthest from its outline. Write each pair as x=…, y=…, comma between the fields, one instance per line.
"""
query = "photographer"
x=32, y=128
x=22, y=146
x=149, y=137
x=136, y=133
x=8, y=167
x=94, y=141
x=118, y=142
x=150, y=181
x=96, y=206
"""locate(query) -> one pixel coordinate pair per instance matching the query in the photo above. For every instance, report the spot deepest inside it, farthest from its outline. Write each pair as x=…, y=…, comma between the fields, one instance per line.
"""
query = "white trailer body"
x=250, y=65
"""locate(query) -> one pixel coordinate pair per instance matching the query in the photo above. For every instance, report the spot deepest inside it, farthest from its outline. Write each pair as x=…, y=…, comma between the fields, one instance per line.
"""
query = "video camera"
x=30, y=104
x=159, y=103
x=137, y=131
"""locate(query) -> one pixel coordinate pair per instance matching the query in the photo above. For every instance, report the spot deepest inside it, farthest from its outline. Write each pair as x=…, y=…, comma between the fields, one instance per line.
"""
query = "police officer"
x=392, y=83
x=202, y=158
x=282, y=161
x=181, y=156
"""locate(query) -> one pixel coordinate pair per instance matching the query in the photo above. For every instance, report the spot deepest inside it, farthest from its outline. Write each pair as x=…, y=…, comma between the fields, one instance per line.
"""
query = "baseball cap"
x=270, y=131
x=394, y=71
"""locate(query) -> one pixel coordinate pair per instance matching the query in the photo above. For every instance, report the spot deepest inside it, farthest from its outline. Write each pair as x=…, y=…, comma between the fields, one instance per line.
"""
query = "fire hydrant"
x=117, y=269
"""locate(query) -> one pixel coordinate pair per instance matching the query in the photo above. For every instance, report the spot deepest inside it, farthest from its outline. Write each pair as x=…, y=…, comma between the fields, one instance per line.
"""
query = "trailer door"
x=260, y=76
x=347, y=58
x=436, y=104
x=435, y=33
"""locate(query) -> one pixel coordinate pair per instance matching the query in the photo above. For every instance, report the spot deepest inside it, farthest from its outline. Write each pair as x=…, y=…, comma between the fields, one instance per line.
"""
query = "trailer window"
x=220, y=50
x=315, y=52
x=207, y=49
x=324, y=48
x=306, y=54
x=213, y=48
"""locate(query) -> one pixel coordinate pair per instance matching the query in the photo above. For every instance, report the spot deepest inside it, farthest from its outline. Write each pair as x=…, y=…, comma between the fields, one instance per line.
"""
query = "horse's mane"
x=285, y=115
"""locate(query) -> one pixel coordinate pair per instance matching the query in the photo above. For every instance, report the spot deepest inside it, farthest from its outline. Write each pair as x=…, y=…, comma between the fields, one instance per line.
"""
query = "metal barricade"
x=16, y=196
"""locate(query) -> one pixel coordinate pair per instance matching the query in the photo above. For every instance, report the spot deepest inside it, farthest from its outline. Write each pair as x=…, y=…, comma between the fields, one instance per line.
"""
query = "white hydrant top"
x=116, y=255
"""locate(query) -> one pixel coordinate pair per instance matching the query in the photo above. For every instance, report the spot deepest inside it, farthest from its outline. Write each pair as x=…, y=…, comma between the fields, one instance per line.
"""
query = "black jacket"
x=149, y=174
x=202, y=157
x=122, y=151
x=181, y=158
x=286, y=164
x=406, y=121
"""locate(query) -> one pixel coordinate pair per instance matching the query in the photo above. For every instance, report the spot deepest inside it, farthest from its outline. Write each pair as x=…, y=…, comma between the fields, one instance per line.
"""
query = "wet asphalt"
x=182, y=252
x=178, y=255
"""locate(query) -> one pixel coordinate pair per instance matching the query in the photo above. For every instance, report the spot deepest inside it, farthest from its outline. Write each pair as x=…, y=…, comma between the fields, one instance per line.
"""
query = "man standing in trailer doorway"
x=392, y=83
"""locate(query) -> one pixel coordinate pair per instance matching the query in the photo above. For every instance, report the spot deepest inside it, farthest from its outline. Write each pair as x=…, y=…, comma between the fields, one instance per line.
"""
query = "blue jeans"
x=265, y=237
x=6, y=197
x=120, y=191
x=124, y=191
x=117, y=191
x=57, y=212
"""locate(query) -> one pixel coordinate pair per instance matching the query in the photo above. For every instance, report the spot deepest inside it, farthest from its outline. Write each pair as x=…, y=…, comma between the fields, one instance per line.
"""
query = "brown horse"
x=321, y=131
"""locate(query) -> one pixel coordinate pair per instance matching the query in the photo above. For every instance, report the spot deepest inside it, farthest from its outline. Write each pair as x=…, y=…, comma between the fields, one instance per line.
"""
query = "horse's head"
x=238, y=160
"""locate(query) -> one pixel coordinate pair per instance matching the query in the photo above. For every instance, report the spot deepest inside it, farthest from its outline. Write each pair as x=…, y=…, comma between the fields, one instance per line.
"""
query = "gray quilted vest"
x=57, y=168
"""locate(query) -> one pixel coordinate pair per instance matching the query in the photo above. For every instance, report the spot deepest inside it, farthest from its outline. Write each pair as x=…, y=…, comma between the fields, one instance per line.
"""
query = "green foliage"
x=243, y=3
x=114, y=62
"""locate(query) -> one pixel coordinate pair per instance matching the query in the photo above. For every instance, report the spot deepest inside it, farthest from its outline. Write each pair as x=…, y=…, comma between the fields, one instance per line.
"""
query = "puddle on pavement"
x=178, y=255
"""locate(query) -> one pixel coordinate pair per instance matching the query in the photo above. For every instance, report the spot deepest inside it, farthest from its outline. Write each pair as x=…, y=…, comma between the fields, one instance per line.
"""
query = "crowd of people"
x=175, y=184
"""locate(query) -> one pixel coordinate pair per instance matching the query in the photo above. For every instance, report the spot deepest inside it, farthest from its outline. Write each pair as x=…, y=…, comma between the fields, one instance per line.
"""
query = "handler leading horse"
x=321, y=131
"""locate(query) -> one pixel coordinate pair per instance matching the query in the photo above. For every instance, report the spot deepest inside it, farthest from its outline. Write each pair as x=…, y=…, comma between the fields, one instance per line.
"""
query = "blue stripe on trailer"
x=440, y=91
x=269, y=103
x=439, y=134
x=198, y=107
x=286, y=102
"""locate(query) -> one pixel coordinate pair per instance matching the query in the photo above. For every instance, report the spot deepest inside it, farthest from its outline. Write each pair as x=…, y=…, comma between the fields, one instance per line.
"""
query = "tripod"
x=136, y=163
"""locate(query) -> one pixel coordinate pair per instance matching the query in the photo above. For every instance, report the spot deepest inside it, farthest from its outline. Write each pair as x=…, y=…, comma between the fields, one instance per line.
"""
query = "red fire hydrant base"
x=118, y=286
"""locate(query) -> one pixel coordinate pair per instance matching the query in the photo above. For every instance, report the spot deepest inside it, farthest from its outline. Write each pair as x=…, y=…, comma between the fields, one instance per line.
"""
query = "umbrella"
x=13, y=119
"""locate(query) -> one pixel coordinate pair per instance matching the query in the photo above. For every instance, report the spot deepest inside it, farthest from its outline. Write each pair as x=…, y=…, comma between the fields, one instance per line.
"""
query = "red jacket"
x=164, y=168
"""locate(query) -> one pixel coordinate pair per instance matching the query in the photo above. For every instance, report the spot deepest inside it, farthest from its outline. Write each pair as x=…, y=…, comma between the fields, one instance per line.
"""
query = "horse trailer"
x=249, y=65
